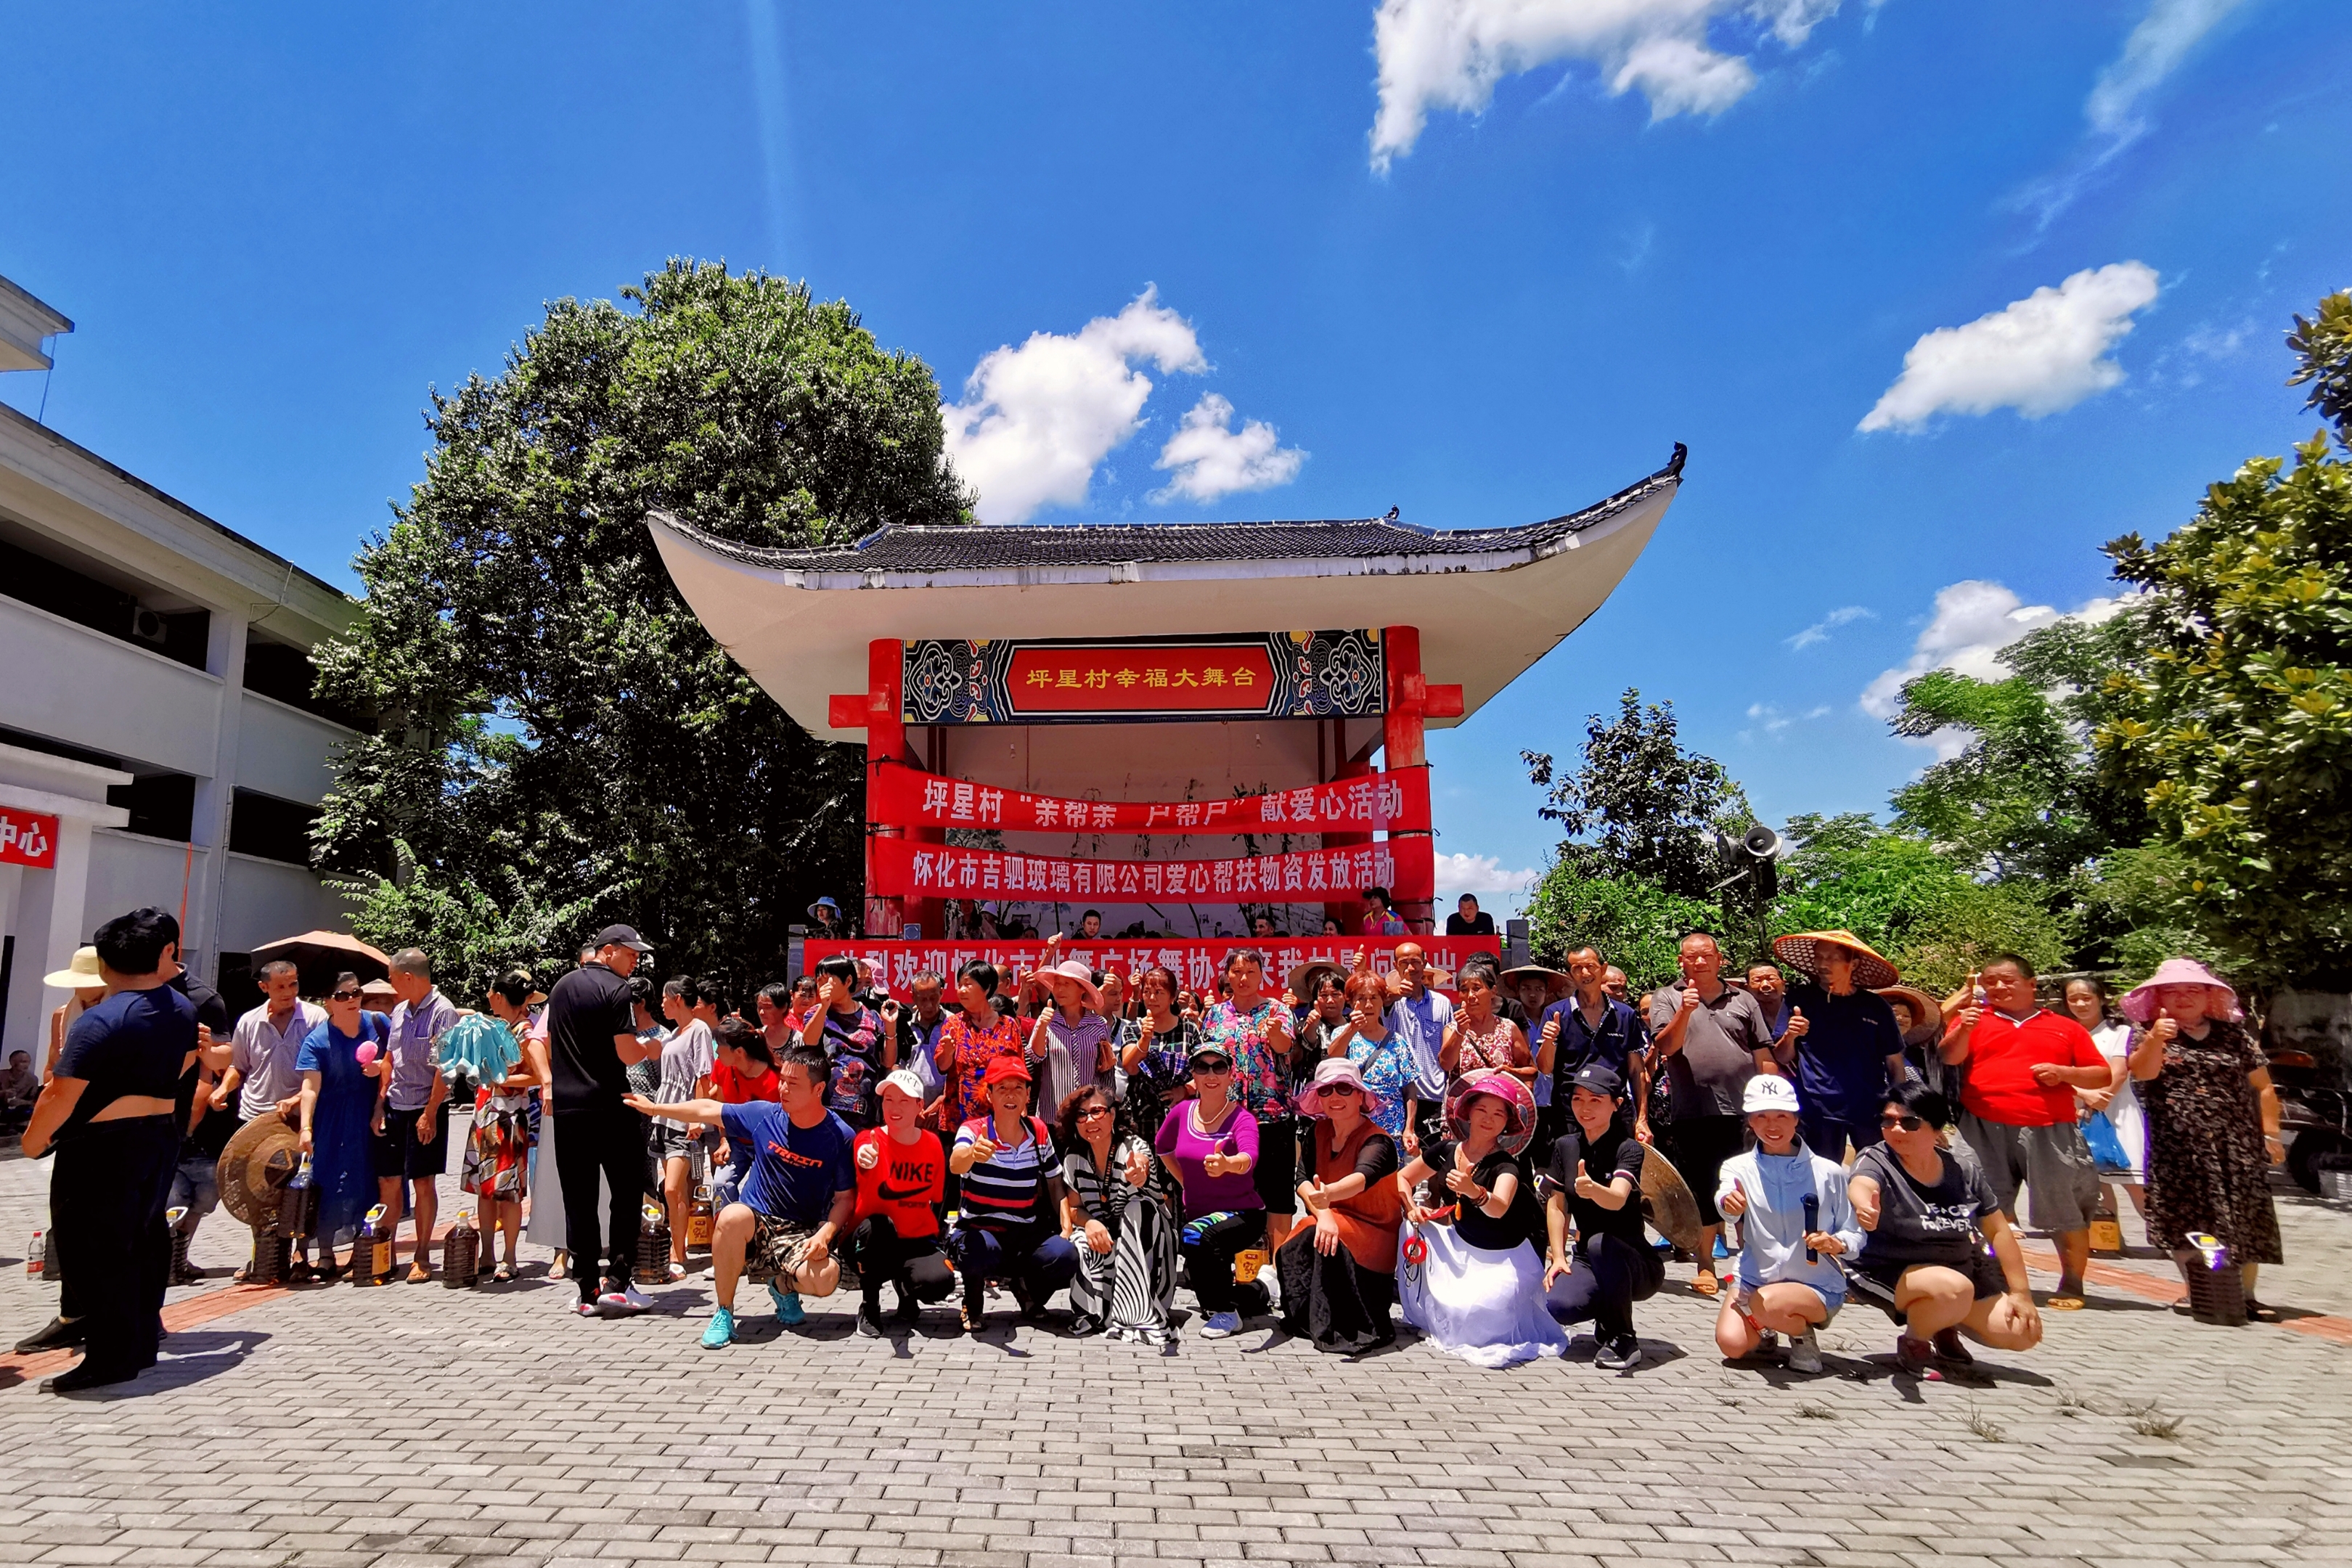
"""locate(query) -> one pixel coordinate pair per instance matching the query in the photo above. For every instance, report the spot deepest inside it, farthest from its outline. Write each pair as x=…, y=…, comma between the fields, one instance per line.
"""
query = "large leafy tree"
x=560, y=742
x=1637, y=804
x=2236, y=724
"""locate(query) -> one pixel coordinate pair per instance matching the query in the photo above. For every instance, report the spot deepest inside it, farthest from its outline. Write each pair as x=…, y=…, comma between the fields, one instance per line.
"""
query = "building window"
x=178, y=635
x=273, y=829
x=283, y=671
x=162, y=805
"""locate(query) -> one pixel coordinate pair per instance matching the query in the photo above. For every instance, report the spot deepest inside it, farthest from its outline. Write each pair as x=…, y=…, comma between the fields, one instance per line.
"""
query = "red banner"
x=910, y=797
x=1405, y=867
x=1194, y=963
x=28, y=838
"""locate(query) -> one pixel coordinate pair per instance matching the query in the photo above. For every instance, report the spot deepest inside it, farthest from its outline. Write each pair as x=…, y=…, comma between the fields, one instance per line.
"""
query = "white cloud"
x=1449, y=54
x=1974, y=620
x=1769, y=720
x=1844, y=615
x=1482, y=875
x=1207, y=458
x=2039, y=355
x=1036, y=420
x=2154, y=49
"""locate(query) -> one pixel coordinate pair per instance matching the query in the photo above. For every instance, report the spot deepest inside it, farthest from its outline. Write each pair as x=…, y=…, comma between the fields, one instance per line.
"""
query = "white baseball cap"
x=1768, y=1091
x=904, y=1082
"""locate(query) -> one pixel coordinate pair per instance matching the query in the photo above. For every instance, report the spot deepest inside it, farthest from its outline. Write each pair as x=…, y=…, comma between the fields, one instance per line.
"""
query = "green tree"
x=1638, y=804
x=1633, y=922
x=2235, y=724
x=560, y=742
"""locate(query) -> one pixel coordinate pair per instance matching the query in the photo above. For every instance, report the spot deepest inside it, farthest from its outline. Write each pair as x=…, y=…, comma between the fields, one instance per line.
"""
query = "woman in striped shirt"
x=1010, y=1223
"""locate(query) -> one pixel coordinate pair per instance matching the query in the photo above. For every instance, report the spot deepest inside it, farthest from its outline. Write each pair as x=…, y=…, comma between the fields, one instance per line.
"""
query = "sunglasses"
x=1325, y=1091
x=1214, y=1069
x=1091, y=1111
x=345, y=996
x=1907, y=1123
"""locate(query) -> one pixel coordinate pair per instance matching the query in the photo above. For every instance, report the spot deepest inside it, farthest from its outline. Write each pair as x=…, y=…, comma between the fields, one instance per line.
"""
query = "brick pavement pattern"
x=415, y=1426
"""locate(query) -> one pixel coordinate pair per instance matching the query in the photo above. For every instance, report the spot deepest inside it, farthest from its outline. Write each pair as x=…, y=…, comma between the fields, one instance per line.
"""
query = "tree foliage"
x=1638, y=804
x=560, y=742
x=1633, y=922
x=2235, y=724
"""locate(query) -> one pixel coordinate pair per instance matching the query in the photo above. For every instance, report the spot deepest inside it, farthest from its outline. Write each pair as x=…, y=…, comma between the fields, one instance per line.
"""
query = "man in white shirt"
x=262, y=1077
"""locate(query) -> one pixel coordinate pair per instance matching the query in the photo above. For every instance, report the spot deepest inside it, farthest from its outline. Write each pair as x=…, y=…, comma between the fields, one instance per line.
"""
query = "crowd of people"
x=1482, y=1153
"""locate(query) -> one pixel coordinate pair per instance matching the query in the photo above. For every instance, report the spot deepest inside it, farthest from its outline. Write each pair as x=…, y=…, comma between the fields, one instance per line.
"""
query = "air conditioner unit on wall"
x=149, y=626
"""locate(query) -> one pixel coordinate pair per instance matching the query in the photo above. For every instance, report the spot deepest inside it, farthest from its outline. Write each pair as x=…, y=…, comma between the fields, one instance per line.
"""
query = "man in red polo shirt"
x=2024, y=1063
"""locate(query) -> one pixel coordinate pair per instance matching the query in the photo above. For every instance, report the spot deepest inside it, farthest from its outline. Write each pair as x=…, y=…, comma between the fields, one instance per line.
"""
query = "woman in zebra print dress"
x=1115, y=1209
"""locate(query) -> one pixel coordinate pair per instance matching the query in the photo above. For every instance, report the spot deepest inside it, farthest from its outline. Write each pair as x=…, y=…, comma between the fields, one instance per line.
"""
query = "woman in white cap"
x=1796, y=1220
x=1339, y=1268
x=2212, y=1120
x=1594, y=1186
x=1115, y=1210
x=1469, y=1275
x=902, y=1173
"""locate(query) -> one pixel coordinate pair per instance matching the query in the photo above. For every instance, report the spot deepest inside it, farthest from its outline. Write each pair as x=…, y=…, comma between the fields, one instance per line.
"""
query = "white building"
x=158, y=741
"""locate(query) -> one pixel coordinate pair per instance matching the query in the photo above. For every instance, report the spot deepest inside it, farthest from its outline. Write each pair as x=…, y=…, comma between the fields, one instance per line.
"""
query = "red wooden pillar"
x=886, y=741
x=1408, y=697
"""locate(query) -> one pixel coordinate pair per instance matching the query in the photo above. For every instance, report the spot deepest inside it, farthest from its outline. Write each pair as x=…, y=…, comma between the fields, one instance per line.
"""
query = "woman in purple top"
x=1211, y=1142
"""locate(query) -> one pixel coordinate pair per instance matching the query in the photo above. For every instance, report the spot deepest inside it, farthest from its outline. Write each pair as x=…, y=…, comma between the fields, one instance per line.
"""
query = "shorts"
x=1873, y=1279
x=399, y=1152
x=778, y=1246
x=1830, y=1301
x=1699, y=1145
x=1276, y=1173
x=675, y=1141
x=2053, y=1165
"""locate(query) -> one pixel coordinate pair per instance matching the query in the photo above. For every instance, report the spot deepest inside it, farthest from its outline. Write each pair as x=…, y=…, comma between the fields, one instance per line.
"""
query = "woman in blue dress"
x=338, y=1105
x=1382, y=1056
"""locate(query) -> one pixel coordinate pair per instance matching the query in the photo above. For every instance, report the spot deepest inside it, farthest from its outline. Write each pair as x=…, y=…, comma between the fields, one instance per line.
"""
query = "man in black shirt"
x=195, y=1183
x=109, y=1111
x=1469, y=919
x=1595, y=1182
x=591, y=1043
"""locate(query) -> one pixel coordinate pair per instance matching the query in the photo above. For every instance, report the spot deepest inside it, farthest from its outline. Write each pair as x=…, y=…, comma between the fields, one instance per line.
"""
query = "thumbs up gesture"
x=1799, y=1027
x=1586, y=1187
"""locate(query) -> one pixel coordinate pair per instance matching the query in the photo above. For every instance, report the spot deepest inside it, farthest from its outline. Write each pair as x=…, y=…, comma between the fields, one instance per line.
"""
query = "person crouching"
x=902, y=1175
x=1795, y=1221
x=1595, y=1185
x=798, y=1198
x=1009, y=1226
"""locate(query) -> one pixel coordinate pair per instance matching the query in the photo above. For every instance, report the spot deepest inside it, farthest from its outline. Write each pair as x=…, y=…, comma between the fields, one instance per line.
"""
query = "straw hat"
x=80, y=974
x=1869, y=970
x=1515, y=1095
x=1556, y=985
x=2139, y=1002
x=1305, y=979
x=1927, y=1013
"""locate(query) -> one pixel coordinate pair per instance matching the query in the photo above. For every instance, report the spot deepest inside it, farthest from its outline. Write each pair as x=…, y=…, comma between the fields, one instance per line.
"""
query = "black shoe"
x=1382, y=1336
x=1619, y=1354
x=83, y=1375
x=910, y=1310
x=869, y=1321
x=60, y=1334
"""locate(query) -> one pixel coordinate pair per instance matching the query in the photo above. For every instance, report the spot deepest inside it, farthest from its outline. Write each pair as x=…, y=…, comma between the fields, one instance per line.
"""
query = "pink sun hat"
x=2139, y=1004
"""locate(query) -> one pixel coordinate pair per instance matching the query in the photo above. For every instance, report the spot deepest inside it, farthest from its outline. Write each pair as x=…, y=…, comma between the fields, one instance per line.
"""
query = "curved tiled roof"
x=1001, y=546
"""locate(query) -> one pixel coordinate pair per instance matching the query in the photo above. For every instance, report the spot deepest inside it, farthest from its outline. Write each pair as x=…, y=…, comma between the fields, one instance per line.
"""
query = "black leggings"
x=914, y=1264
x=105, y=1214
x=1334, y=1295
x=1610, y=1274
x=607, y=1141
x=1209, y=1256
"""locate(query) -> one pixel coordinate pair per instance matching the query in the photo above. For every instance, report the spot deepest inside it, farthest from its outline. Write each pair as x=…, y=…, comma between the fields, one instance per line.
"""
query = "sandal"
x=299, y=1272
x=1705, y=1283
x=503, y=1273
x=555, y=1269
x=419, y=1275
x=975, y=1317
x=677, y=1273
x=2261, y=1312
x=2067, y=1302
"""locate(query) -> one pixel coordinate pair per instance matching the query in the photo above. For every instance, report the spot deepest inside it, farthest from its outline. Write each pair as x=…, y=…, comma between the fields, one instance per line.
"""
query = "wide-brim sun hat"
x=2139, y=1002
x=1556, y=984
x=1305, y=979
x=1331, y=1069
x=1515, y=1097
x=1801, y=951
x=1927, y=1013
x=1077, y=970
x=80, y=973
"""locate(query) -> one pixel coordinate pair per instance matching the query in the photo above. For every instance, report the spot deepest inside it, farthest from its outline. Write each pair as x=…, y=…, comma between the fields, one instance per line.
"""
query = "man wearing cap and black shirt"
x=591, y=1040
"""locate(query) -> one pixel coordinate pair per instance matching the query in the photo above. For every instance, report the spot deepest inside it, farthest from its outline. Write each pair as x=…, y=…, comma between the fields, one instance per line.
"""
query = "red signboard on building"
x=1406, y=867
x=1194, y=963
x=1256, y=675
x=27, y=838
x=1081, y=677
x=908, y=797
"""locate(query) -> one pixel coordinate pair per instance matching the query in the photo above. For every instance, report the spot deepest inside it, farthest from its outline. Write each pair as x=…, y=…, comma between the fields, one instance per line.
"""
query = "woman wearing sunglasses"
x=1338, y=1269
x=340, y=1105
x=1114, y=1210
x=1211, y=1142
x=1926, y=1216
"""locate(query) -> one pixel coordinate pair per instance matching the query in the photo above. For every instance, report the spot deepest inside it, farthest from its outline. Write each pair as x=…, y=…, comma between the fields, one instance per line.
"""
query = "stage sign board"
x=900, y=868
x=1254, y=675
x=28, y=838
x=1398, y=801
x=1194, y=963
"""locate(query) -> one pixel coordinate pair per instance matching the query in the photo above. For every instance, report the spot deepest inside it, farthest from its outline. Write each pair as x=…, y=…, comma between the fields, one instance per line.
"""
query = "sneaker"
x=1948, y=1346
x=1221, y=1325
x=910, y=1310
x=789, y=1310
x=1620, y=1354
x=586, y=1310
x=1805, y=1353
x=722, y=1332
x=869, y=1321
x=1916, y=1358
x=624, y=1303
x=1721, y=1250
x=1084, y=1326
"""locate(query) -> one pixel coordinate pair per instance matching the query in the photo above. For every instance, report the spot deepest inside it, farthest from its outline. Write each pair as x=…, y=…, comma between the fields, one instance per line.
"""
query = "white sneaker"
x=586, y=1309
x=633, y=1300
x=1805, y=1353
x=1221, y=1325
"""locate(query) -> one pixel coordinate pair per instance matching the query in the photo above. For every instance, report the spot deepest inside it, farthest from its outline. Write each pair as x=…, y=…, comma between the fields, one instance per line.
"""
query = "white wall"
x=267, y=899
x=68, y=683
x=283, y=751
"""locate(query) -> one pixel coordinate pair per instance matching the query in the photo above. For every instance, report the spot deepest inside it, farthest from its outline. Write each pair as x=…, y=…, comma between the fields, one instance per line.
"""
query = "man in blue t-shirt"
x=1590, y=1025
x=799, y=1195
x=110, y=1112
x=1846, y=1047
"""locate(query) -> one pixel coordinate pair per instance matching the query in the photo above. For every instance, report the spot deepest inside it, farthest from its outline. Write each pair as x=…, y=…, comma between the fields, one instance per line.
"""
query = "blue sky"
x=1482, y=261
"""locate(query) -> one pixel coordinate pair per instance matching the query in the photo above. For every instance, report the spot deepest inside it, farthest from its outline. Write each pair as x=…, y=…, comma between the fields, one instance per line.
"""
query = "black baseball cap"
x=623, y=936
x=1598, y=1078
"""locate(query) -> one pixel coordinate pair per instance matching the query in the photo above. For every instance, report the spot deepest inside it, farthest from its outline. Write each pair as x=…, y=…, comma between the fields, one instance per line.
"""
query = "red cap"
x=1002, y=1068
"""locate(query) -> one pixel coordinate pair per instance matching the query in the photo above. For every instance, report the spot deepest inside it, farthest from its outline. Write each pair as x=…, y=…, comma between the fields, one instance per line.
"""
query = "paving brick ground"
x=420, y=1428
